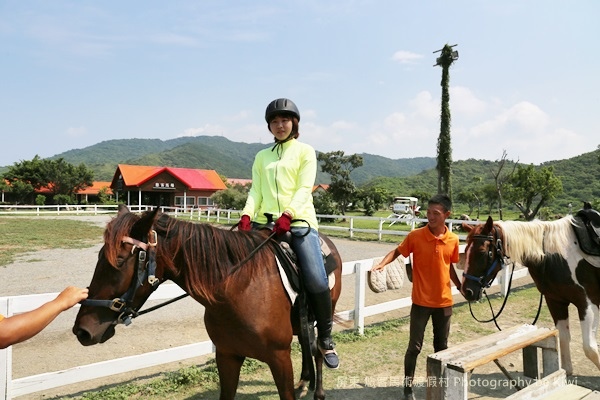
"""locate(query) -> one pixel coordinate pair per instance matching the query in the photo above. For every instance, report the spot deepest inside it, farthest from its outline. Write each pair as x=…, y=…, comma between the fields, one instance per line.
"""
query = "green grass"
x=19, y=235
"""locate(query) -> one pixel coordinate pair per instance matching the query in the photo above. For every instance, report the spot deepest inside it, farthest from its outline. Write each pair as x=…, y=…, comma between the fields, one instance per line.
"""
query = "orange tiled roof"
x=195, y=179
x=321, y=186
x=95, y=188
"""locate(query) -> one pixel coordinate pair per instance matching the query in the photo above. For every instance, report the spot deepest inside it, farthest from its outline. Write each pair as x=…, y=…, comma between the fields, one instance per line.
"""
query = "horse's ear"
x=122, y=209
x=489, y=224
x=466, y=227
x=143, y=226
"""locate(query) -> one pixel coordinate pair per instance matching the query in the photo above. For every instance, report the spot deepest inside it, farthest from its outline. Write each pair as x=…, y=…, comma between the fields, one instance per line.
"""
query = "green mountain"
x=230, y=159
x=580, y=175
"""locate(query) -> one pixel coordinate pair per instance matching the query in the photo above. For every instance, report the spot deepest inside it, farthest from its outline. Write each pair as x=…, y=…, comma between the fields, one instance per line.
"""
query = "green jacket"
x=282, y=180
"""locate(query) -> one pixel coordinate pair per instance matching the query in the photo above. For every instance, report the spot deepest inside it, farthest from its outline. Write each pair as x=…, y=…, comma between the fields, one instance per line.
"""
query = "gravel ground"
x=50, y=271
x=175, y=325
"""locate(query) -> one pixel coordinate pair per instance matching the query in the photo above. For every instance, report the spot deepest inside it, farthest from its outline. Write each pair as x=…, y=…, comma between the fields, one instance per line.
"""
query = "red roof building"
x=165, y=186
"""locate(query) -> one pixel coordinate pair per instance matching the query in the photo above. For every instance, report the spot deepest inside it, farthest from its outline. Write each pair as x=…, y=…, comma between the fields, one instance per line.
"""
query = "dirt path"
x=56, y=347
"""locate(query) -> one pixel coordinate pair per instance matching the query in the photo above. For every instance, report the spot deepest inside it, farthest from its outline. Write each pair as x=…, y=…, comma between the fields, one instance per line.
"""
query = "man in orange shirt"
x=435, y=252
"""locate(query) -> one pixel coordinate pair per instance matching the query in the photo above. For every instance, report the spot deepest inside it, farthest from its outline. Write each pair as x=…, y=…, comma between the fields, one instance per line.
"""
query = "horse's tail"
x=337, y=319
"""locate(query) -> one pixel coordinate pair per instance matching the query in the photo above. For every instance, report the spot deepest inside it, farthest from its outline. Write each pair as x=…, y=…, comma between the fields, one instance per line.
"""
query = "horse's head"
x=484, y=257
x=124, y=278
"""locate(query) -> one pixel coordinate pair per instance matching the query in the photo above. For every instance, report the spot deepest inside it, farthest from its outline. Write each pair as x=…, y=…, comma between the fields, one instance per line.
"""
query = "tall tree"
x=339, y=166
x=444, y=147
x=501, y=178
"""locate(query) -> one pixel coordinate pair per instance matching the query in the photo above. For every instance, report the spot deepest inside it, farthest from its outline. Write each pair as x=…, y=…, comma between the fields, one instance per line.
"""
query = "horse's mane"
x=206, y=255
x=533, y=239
x=118, y=227
x=202, y=254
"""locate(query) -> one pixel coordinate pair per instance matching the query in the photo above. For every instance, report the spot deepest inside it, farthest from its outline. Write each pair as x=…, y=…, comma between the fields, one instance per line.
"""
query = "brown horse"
x=233, y=274
x=562, y=272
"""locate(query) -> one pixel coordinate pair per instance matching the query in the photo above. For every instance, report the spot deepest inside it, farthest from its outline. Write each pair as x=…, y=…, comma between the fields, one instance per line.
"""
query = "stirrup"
x=330, y=356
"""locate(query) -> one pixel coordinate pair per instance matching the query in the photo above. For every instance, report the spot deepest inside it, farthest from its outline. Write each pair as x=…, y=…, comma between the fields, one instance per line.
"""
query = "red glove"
x=244, y=224
x=282, y=225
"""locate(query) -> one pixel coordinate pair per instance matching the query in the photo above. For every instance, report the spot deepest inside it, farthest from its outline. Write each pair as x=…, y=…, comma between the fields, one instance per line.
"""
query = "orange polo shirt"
x=432, y=257
x=1, y=317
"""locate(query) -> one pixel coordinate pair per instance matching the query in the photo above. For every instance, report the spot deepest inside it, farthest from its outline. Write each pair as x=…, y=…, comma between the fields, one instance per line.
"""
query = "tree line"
x=525, y=187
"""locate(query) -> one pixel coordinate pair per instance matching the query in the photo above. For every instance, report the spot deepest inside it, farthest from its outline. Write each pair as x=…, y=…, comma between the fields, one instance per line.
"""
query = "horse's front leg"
x=229, y=367
x=560, y=314
x=282, y=370
x=589, y=328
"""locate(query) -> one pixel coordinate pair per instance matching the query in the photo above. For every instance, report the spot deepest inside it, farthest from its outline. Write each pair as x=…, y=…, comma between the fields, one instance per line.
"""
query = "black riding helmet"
x=281, y=106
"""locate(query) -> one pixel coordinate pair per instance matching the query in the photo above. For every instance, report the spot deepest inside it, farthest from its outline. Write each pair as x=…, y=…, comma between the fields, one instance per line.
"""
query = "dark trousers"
x=419, y=316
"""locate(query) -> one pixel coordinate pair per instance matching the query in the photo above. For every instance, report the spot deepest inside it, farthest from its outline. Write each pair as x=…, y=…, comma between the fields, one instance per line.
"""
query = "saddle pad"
x=390, y=277
x=395, y=274
x=377, y=279
x=292, y=294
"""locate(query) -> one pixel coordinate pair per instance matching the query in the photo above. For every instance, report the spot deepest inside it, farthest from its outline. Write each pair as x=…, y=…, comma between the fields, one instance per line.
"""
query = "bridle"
x=485, y=281
x=495, y=256
x=145, y=270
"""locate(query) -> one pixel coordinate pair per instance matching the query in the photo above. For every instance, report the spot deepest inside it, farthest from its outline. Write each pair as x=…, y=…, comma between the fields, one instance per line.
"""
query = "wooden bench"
x=555, y=387
x=448, y=371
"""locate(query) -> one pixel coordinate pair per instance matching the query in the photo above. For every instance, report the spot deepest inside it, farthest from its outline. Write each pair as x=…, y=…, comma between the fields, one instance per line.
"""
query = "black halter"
x=495, y=257
x=145, y=270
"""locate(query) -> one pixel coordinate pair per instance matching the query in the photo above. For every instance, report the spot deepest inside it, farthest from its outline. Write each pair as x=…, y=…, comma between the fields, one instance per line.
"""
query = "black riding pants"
x=419, y=316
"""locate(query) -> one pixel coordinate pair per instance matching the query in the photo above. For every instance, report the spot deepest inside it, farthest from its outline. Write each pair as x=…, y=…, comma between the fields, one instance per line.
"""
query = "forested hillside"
x=230, y=159
x=580, y=175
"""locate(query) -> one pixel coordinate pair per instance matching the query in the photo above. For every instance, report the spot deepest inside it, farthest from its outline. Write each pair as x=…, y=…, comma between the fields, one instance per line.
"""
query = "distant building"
x=165, y=186
x=320, y=189
x=89, y=195
x=238, y=181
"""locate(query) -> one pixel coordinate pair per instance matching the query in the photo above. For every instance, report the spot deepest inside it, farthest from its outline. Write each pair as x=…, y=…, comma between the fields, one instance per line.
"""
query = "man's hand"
x=282, y=225
x=244, y=224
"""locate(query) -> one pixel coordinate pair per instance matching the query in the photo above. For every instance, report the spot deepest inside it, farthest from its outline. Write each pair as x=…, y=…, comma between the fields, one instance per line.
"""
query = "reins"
x=145, y=270
x=486, y=280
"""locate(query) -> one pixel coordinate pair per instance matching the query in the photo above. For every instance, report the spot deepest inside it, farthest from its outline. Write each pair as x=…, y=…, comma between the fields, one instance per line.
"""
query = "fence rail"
x=10, y=388
x=224, y=216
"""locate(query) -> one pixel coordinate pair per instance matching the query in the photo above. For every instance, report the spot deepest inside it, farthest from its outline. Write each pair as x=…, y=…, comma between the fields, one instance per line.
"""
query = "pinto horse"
x=562, y=272
x=233, y=274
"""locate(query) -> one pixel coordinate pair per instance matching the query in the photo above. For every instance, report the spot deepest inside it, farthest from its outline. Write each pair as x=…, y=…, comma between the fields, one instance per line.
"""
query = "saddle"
x=587, y=230
x=287, y=257
x=289, y=261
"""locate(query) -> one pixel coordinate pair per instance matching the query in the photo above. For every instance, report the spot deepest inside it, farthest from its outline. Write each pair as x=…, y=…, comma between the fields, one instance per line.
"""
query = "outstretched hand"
x=71, y=296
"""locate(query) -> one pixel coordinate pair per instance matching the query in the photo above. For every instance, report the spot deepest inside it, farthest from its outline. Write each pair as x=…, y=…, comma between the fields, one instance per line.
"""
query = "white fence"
x=18, y=304
x=10, y=388
x=221, y=216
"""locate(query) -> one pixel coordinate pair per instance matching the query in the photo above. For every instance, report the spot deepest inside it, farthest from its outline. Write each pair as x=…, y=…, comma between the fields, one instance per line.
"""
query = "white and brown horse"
x=562, y=272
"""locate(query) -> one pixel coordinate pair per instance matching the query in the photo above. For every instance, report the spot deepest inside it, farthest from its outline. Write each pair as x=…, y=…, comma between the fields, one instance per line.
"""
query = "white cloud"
x=76, y=132
x=406, y=57
x=207, y=129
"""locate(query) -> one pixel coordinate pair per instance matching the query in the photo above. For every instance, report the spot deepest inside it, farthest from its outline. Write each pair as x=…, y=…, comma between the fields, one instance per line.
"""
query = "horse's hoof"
x=301, y=389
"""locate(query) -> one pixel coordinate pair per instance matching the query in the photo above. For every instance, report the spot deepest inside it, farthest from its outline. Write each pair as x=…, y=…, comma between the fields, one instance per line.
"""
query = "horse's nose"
x=469, y=294
x=84, y=337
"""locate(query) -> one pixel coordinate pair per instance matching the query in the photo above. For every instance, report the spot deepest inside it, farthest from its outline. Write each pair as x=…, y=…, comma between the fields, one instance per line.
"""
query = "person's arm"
x=391, y=256
x=21, y=327
x=454, y=277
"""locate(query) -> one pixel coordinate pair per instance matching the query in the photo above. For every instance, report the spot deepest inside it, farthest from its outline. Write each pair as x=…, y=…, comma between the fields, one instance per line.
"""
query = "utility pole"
x=444, y=147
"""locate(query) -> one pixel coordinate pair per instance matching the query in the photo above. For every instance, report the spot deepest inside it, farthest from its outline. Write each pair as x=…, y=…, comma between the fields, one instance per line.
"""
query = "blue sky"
x=76, y=73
